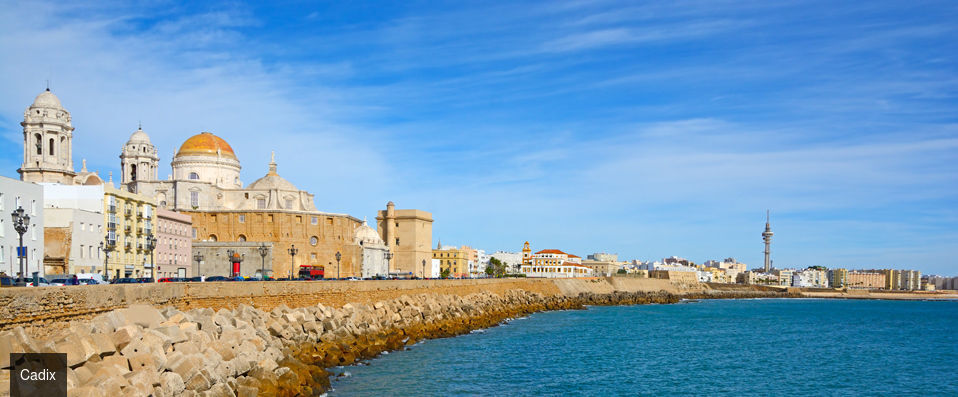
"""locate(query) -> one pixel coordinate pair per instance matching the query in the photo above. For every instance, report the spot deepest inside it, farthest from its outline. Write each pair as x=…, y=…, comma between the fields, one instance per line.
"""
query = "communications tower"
x=767, y=236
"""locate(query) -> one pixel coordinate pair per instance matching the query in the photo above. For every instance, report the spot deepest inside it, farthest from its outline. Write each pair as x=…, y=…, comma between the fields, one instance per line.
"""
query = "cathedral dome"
x=139, y=137
x=272, y=180
x=46, y=99
x=367, y=236
x=206, y=144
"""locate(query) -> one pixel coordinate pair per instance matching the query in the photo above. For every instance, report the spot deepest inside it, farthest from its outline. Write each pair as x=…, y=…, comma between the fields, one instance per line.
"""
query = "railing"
x=128, y=212
x=127, y=246
x=126, y=229
x=139, y=230
x=139, y=246
x=139, y=214
x=111, y=225
x=112, y=208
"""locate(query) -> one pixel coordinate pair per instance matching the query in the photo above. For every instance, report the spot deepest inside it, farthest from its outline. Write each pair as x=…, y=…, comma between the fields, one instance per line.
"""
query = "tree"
x=444, y=273
x=496, y=268
x=621, y=271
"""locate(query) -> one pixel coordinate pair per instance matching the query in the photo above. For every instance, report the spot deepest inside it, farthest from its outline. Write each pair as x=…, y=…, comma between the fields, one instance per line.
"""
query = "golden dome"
x=204, y=144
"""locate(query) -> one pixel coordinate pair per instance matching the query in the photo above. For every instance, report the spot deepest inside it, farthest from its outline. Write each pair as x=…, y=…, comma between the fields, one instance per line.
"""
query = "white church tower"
x=47, y=142
x=138, y=160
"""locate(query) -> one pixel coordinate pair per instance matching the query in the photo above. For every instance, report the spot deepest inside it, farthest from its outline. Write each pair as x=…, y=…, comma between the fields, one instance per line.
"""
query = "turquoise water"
x=717, y=347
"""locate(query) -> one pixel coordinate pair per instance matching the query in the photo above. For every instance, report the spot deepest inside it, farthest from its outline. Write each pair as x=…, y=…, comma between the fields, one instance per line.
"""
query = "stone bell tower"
x=138, y=160
x=47, y=142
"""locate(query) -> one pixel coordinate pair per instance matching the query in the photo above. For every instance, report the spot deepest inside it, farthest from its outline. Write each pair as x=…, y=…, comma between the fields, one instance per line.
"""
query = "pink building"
x=174, y=242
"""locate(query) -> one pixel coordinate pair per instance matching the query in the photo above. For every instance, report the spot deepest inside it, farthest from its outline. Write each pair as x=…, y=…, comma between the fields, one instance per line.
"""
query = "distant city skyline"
x=648, y=131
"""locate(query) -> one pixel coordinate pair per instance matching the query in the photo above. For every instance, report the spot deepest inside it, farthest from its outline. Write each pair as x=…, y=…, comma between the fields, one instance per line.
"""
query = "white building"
x=374, y=263
x=512, y=260
x=15, y=194
x=78, y=210
x=553, y=263
x=810, y=278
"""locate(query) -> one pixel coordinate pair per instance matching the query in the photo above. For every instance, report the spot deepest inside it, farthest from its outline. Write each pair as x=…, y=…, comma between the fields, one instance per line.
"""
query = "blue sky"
x=647, y=130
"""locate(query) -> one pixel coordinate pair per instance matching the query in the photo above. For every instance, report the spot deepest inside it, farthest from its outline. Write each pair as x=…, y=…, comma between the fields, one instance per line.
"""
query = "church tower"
x=526, y=254
x=138, y=160
x=767, y=236
x=47, y=142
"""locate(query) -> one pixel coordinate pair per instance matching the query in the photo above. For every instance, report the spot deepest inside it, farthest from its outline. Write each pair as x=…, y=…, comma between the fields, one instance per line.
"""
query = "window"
x=34, y=229
x=313, y=241
x=52, y=143
x=289, y=204
x=82, y=227
x=194, y=233
x=241, y=238
x=314, y=220
x=18, y=204
x=194, y=176
x=261, y=203
x=242, y=219
x=81, y=251
x=195, y=199
x=39, y=140
x=212, y=238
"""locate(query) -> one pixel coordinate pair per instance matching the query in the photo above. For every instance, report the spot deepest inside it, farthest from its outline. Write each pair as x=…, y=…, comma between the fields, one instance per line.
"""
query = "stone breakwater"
x=142, y=350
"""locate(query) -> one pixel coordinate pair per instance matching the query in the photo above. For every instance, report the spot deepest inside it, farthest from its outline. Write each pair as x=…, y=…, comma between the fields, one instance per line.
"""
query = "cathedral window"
x=194, y=176
x=52, y=143
x=241, y=238
x=313, y=241
x=261, y=203
x=242, y=218
x=195, y=199
x=314, y=220
x=289, y=204
x=39, y=143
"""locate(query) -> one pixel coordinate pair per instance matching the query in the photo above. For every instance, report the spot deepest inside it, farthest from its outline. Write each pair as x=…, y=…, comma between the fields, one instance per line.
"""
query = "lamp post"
x=292, y=259
x=198, y=258
x=262, y=253
x=229, y=259
x=424, y=269
x=21, y=220
x=389, y=255
x=150, y=246
x=338, y=257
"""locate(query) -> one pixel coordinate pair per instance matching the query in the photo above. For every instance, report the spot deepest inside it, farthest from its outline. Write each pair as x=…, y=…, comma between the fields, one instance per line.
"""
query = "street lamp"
x=21, y=220
x=424, y=269
x=389, y=255
x=338, y=257
x=263, y=250
x=198, y=258
x=292, y=259
x=150, y=245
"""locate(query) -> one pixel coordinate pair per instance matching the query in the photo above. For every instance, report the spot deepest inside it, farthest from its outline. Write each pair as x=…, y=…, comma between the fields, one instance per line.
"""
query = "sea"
x=754, y=347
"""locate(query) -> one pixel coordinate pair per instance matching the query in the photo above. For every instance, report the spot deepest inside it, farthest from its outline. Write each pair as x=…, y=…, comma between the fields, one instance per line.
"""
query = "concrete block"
x=78, y=350
x=188, y=347
x=143, y=315
x=148, y=377
x=198, y=382
x=8, y=344
x=187, y=366
x=103, y=344
x=124, y=335
x=172, y=383
x=221, y=390
x=173, y=333
x=117, y=362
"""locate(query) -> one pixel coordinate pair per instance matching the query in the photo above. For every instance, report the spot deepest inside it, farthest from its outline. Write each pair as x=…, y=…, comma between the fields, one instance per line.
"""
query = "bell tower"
x=47, y=142
x=138, y=160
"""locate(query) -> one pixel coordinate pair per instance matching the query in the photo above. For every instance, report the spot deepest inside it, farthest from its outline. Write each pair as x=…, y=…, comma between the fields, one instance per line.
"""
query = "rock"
x=172, y=383
x=78, y=349
x=143, y=315
x=221, y=390
x=124, y=335
x=198, y=382
x=173, y=333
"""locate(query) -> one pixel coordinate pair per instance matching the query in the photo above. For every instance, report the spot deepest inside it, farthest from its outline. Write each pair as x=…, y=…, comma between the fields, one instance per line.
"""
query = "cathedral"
x=205, y=184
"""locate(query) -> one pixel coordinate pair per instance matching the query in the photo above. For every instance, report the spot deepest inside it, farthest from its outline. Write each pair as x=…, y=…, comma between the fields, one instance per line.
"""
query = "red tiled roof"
x=574, y=256
x=551, y=251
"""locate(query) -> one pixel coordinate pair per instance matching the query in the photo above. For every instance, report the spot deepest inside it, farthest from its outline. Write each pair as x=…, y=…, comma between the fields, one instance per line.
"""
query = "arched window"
x=212, y=238
x=194, y=176
x=52, y=143
x=39, y=140
x=241, y=238
x=313, y=241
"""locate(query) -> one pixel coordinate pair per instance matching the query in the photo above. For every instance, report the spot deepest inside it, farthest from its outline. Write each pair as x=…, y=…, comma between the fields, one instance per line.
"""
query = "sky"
x=646, y=129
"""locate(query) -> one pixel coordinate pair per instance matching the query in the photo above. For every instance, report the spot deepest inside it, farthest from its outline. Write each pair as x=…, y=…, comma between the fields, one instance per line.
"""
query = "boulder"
x=143, y=315
x=172, y=383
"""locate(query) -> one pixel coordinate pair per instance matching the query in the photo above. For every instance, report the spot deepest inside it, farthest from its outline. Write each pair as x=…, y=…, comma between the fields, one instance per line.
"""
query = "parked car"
x=43, y=282
x=91, y=278
x=171, y=280
x=194, y=279
x=125, y=280
x=60, y=281
x=7, y=282
x=217, y=278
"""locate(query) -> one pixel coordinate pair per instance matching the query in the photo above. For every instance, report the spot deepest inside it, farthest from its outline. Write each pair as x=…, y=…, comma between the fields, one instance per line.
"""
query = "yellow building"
x=453, y=259
x=892, y=278
x=838, y=278
x=129, y=220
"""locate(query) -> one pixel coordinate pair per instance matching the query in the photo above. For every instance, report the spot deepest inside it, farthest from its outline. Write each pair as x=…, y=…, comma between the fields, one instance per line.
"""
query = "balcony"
x=139, y=230
x=126, y=229
x=139, y=246
x=111, y=226
x=112, y=209
x=126, y=246
x=139, y=214
x=128, y=213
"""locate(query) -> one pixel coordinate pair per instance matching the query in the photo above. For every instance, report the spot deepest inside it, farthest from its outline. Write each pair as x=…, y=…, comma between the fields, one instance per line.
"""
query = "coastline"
x=286, y=350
